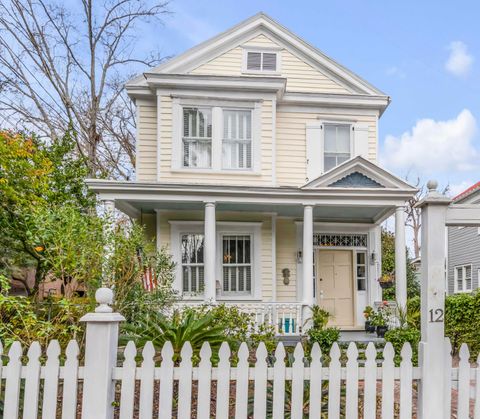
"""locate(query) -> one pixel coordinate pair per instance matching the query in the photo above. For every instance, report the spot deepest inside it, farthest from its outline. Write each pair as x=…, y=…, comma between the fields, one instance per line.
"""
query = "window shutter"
x=269, y=61
x=360, y=140
x=254, y=61
x=314, y=163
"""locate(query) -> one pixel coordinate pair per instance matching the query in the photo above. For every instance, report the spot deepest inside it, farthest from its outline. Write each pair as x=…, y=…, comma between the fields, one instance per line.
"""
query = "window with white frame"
x=463, y=278
x=237, y=264
x=361, y=265
x=192, y=263
x=197, y=137
x=262, y=61
x=237, y=139
x=336, y=145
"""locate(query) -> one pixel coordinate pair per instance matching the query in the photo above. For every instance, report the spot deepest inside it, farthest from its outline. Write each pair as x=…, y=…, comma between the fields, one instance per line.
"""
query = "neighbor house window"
x=361, y=264
x=261, y=61
x=192, y=263
x=237, y=139
x=197, y=137
x=237, y=264
x=463, y=278
x=337, y=145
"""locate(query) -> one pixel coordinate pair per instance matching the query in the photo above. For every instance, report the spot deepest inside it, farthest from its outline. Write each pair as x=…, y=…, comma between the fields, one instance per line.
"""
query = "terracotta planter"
x=381, y=331
x=369, y=327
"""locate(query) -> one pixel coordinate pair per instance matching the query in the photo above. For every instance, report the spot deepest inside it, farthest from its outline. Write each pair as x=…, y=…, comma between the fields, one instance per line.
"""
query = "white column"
x=158, y=219
x=101, y=345
x=307, y=256
x=400, y=258
x=109, y=226
x=209, y=252
x=431, y=354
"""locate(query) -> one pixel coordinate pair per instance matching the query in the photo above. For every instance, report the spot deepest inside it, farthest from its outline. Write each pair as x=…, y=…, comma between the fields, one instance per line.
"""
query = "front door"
x=335, y=285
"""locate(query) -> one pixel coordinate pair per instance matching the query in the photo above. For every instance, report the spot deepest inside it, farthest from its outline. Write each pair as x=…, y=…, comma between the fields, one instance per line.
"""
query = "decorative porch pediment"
x=358, y=173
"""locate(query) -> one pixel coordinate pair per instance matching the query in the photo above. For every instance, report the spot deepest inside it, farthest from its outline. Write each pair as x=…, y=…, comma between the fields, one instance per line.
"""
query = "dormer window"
x=261, y=61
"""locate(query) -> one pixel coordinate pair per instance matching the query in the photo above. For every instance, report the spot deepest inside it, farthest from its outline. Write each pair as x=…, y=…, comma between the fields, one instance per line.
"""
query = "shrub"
x=324, y=337
x=399, y=336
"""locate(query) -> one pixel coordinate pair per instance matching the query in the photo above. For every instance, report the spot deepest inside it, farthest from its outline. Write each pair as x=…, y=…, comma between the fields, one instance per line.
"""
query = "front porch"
x=272, y=251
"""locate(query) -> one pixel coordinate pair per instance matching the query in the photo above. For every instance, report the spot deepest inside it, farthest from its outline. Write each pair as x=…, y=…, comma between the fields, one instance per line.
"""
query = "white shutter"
x=360, y=140
x=314, y=135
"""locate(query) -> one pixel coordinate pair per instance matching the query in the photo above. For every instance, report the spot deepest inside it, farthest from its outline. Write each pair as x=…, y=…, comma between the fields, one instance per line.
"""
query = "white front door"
x=335, y=286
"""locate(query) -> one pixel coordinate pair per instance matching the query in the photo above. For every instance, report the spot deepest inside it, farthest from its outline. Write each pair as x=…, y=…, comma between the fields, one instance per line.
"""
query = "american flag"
x=149, y=279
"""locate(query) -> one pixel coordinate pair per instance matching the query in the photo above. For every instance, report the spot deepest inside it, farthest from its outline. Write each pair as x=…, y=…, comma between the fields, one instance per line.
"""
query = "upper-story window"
x=197, y=137
x=217, y=137
x=337, y=145
x=263, y=61
x=237, y=139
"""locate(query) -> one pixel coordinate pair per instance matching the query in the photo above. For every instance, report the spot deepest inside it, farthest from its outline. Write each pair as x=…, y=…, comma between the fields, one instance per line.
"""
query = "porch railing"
x=284, y=317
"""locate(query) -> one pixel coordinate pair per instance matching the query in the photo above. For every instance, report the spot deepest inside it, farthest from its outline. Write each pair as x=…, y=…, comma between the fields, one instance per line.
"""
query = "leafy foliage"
x=388, y=267
x=178, y=329
x=319, y=332
x=401, y=335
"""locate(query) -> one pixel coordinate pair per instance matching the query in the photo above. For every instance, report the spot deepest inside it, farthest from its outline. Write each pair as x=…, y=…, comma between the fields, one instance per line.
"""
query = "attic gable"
x=260, y=29
x=358, y=173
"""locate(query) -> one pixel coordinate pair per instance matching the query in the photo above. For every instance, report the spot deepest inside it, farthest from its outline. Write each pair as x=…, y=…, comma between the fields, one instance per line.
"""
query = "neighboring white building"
x=463, y=270
x=257, y=167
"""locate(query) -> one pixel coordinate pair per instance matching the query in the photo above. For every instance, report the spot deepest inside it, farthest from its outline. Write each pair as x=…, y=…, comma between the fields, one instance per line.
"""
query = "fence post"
x=100, y=357
x=434, y=209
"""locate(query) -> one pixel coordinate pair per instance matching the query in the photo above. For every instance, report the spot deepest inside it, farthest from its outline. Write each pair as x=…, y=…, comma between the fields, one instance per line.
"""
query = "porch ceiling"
x=333, y=213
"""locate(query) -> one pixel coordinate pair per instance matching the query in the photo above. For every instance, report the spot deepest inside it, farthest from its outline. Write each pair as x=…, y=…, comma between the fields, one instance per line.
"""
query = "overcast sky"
x=424, y=54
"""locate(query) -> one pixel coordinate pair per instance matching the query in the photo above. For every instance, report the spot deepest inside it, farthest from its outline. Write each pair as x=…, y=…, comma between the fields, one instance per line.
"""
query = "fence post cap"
x=433, y=196
x=104, y=298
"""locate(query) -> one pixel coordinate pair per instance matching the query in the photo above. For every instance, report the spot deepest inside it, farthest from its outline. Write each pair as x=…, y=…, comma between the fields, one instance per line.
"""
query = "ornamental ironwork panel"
x=340, y=240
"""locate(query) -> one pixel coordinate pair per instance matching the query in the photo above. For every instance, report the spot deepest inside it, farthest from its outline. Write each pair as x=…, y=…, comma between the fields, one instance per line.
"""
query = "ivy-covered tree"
x=388, y=267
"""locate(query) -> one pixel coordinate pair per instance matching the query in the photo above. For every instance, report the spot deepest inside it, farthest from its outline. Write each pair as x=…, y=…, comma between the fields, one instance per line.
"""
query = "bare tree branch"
x=62, y=68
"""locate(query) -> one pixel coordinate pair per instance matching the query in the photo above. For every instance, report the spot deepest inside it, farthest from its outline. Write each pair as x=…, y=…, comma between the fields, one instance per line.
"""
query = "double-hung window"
x=192, y=263
x=237, y=139
x=463, y=278
x=337, y=145
x=237, y=264
x=197, y=137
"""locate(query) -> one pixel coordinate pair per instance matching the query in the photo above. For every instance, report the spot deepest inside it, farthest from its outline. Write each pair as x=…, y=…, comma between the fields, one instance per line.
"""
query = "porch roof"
x=335, y=204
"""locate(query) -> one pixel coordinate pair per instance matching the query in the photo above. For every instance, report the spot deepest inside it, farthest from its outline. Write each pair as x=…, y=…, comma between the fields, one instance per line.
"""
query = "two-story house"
x=463, y=265
x=257, y=167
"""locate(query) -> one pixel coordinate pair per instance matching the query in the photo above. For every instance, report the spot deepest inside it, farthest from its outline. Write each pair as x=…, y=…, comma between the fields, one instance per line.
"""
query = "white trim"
x=159, y=136
x=273, y=228
x=464, y=283
x=176, y=134
x=158, y=236
x=274, y=141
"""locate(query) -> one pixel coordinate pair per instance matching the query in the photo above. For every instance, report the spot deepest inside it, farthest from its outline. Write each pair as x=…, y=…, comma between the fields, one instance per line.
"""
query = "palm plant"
x=178, y=329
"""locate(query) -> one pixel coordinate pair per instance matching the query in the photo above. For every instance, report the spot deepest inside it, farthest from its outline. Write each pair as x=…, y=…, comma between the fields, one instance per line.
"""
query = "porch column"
x=400, y=258
x=209, y=252
x=109, y=215
x=307, y=256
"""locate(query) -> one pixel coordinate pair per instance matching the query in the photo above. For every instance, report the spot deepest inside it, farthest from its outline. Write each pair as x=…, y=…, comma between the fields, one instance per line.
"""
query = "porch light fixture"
x=373, y=258
x=299, y=256
x=286, y=276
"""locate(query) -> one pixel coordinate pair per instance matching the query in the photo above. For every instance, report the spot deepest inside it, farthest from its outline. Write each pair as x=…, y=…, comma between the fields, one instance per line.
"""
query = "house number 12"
x=436, y=316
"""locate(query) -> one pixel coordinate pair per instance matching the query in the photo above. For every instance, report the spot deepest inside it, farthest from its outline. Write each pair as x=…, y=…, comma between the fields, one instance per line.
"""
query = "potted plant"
x=386, y=280
x=380, y=319
x=368, y=313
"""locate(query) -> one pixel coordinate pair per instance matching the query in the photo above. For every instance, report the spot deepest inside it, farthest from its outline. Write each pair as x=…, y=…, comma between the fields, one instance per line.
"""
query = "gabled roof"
x=358, y=173
x=261, y=23
x=468, y=194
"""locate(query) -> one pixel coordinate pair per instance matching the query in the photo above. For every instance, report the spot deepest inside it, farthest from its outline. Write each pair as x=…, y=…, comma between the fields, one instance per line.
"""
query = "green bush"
x=399, y=336
x=462, y=320
x=325, y=337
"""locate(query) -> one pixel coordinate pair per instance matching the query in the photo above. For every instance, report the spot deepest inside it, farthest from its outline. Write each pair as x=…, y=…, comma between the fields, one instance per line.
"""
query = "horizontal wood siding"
x=286, y=258
x=291, y=142
x=463, y=249
x=146, y=169
x=301, y=76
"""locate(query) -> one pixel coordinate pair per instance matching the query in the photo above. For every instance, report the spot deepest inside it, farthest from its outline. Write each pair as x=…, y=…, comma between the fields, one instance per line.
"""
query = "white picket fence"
x=267, y=388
